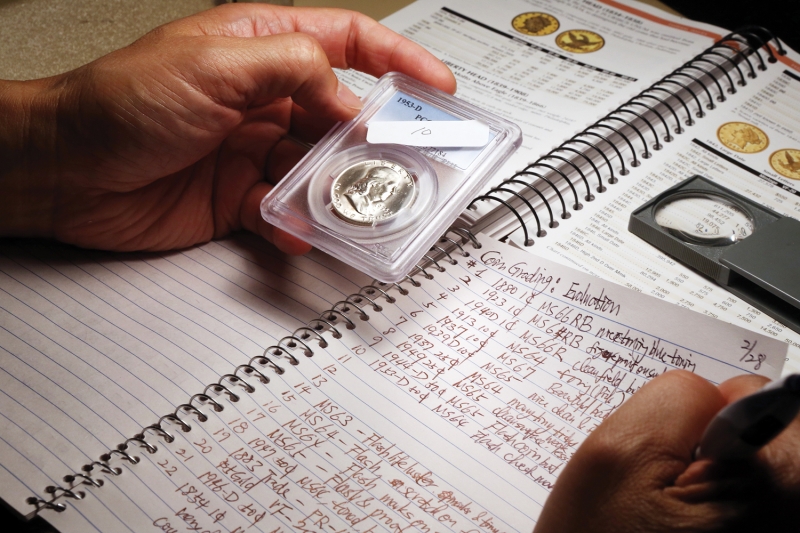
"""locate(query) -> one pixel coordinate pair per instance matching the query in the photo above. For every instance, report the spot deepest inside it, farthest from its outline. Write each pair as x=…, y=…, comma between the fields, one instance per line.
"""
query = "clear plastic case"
x=380, y=207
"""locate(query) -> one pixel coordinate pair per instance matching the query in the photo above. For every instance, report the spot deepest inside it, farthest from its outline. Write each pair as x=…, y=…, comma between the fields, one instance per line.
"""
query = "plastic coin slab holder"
x=380, y=207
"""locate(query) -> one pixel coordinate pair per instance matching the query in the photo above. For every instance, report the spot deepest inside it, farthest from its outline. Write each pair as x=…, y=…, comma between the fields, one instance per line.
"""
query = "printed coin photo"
x=580, y=41
x=742, y=137
x=371, y=191
x=535, y=24
x=786, y=162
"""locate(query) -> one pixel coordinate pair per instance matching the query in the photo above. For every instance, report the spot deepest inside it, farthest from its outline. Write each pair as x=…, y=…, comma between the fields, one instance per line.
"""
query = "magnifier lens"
x=706, y=219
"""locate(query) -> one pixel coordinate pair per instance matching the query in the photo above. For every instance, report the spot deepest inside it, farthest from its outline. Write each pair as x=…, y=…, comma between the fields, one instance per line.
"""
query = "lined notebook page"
x=453, y=409
x=97, y=346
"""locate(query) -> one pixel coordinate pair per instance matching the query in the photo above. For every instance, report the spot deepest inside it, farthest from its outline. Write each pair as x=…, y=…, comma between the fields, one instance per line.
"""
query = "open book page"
x=552, y=67
x=747, y=144
x=453, y=409
x=97, y=346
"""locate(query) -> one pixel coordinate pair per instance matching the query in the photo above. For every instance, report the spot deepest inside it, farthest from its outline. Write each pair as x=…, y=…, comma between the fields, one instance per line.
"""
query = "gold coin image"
x=535, y=24
x=786, y=162
x=742, y=137
x=580, y=41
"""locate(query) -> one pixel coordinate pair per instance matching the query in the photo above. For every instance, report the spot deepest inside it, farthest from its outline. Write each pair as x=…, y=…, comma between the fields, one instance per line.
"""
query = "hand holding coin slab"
x=126, y=173
x=380, y=204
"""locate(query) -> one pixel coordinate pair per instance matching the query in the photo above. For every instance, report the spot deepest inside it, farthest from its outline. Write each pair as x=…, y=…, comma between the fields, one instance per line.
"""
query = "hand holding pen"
x=746, y=425
x=638, y=470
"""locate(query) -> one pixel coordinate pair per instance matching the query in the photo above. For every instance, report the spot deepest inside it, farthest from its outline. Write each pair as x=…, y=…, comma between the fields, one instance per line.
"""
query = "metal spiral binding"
x=627, y=135
x=445, y=248
x=186, y=414
x=750, y=39
x=225, y=385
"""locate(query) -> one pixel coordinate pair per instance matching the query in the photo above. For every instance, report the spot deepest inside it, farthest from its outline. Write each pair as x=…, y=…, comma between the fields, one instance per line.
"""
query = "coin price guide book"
x=229, y=388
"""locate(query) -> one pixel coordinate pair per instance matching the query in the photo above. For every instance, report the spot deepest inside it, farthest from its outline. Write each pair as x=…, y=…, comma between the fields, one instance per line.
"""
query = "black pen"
x=742, y=428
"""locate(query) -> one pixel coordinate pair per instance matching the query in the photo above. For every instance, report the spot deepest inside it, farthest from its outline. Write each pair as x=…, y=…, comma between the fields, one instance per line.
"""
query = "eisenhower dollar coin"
x=374, y=190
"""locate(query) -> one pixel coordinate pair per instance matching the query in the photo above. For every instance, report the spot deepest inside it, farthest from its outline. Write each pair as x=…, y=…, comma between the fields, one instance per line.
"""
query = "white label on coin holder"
x=439, y=133
x=402, y=107
x=381, y=206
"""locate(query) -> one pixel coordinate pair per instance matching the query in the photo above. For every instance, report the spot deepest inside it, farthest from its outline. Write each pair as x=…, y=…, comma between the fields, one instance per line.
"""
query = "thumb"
x=780, y=456
x=741, y=386
x=781, y=453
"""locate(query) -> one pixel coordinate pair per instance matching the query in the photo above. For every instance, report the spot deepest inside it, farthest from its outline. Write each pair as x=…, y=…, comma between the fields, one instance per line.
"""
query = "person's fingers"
x=780, y=456
x=765, y=489
x=350, y=40
x=307, y=127
x=782, y=452
x=667, y=416
x=625, y=464
x=253, y=221
x=288, y=243
x=260, y=130
x=741, y=386
x=697, y=472
x=283, y=157
x=242, y=73
x=190, y=93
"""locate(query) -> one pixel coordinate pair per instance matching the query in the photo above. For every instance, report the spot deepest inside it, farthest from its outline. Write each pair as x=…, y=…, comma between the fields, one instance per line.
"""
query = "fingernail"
x=348, y=97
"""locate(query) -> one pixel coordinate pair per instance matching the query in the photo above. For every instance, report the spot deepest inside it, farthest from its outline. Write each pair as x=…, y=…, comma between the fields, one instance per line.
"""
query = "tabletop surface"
x=41, y=38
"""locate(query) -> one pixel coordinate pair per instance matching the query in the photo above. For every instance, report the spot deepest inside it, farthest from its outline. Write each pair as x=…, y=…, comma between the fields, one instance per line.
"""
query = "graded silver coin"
x=373, y=190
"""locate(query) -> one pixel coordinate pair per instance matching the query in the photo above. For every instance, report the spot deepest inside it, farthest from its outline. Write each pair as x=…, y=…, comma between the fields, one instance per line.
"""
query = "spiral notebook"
x=450, y=403
x=228, y=388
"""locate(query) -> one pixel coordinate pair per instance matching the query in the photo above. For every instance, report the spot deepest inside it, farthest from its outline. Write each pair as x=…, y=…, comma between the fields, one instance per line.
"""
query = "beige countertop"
x=44, y=37
x=382, y=8
x=39, y=38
